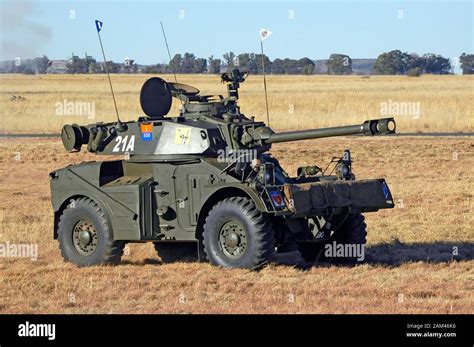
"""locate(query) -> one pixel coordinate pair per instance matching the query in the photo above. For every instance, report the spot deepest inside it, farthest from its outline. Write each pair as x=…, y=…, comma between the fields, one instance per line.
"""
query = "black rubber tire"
x=309, y=251
x=171, y=252
x=108, y=251
x=352, y=231
x=260, y=247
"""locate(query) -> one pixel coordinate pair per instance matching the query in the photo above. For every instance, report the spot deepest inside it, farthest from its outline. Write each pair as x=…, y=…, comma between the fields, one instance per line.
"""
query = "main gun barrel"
x=371, y=127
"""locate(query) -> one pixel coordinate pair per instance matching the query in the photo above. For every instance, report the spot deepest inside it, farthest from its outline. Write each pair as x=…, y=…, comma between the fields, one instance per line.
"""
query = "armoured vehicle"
x=203, y=184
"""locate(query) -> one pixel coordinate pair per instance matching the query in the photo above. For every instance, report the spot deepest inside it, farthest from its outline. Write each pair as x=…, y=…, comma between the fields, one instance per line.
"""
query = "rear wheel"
x=171, y=252
x=352, y=232
x=309, y=251
x=237, y=235
x=85, y=235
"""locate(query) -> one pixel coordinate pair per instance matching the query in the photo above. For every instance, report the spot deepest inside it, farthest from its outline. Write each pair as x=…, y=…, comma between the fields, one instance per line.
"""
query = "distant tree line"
x=88, y=64
x=37, y=65
x=252, y=62
x=401, y=63
x=389, y=63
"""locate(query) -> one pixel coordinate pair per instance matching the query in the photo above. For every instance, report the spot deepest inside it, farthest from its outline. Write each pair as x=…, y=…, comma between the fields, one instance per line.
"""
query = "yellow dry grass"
x=410, y=264
x=296, y=102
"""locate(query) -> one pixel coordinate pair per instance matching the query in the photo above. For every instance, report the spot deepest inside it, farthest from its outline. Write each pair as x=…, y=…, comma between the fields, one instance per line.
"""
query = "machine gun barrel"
x=371, y=127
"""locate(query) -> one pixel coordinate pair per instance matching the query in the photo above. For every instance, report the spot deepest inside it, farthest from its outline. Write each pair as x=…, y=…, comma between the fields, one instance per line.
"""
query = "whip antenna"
x=98, y=25
x=264, y=33
x=168, y=49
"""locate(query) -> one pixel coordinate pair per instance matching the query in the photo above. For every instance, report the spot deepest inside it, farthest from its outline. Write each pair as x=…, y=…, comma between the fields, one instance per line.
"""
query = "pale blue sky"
x=361, y=29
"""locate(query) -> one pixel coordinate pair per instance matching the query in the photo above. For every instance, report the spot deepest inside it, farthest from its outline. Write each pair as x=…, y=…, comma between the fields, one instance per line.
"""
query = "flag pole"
x=120, y=126
x=264, y=79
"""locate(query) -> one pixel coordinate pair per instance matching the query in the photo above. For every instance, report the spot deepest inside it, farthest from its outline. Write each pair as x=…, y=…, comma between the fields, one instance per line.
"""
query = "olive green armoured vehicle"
x=203, y=184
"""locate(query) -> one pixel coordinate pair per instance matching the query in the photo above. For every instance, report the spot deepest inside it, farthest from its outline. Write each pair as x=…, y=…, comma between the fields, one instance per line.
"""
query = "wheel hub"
x=84, y=237
x=233, y=239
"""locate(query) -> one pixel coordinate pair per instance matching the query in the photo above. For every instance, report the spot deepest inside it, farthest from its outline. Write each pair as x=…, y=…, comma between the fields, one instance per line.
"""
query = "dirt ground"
x=419, y=257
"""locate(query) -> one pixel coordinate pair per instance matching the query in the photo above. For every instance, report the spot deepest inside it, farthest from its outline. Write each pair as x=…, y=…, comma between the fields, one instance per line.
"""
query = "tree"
x=278, y=67
x=77, y=66
x=229, y=59
x=339, y=64
x=244, y=60
x=88, y=61
x=414, y=61
x=436, y=64
x=306, y=66
x=247, y=61
x=308, y=69
x=154, y=69
x=175, y=63
x=41, y=64
x=467, y=63
x=414, y=72
x=187, y=64
x=259, y=66
x=392, y=63
x=29, y=70
x=95, y=68
x=200, y=65
x=214, y=65
x=290, y=66
x=113, y=67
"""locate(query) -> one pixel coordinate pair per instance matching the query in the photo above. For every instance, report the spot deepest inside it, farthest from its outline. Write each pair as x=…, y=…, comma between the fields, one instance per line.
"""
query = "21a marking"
x=124, y=144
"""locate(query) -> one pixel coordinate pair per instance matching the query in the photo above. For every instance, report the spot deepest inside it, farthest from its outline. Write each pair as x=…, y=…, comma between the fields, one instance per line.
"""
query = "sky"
x=314, y=29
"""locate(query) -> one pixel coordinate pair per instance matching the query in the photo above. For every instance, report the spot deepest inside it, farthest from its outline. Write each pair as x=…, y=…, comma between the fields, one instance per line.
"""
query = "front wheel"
x=237, y=235
x=85, y=236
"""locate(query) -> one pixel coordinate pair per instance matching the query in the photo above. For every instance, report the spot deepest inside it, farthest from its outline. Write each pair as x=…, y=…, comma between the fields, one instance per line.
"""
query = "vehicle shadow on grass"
x=396, y=253
x=146, y=261
x=386, y=254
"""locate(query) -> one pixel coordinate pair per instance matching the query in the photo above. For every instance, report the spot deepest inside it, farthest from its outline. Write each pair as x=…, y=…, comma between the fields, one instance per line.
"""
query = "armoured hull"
x=205, y=182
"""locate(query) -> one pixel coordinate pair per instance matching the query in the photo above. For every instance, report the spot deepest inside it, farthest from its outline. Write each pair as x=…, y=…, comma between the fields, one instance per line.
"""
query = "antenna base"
x=121, y=127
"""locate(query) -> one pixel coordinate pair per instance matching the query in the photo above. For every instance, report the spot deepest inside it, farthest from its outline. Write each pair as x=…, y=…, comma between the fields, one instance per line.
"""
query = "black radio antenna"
x=264, y=34
x=98, y=25
x=169, y=54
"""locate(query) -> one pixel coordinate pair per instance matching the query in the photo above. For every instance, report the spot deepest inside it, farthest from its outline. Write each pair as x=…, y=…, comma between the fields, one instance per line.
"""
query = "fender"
x=236, y=187
x=68, y=183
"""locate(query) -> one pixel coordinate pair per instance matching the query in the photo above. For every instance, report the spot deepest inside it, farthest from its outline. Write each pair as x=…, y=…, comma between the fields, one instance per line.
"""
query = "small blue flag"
x=98, y=25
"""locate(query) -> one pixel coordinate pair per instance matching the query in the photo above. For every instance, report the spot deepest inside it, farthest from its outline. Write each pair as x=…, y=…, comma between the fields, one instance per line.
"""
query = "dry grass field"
x=296, y=102
x=419, y=258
